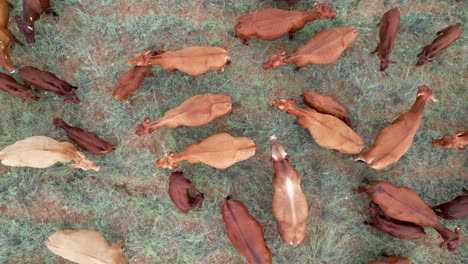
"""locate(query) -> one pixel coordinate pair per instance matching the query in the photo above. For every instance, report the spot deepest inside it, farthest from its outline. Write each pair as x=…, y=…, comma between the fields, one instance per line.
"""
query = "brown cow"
x=193, y=60
x=10, y=85
x=455, y=209
x=131, y=81
x=326, y=104
x=458, y=140
x=86, y=140
x=245, y=232
x=324, y=47
x=393, y=227
x=445, y=38
x=289, y=203
x=32, y=11
x=179, y=192
x=48, y=81
x=396, y=139
x=273, y=23
x=387, y=34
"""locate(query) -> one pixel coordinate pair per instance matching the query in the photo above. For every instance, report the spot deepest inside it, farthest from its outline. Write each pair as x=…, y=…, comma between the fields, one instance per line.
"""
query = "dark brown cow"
x=86, y=140
x=273, y=23
x=395, y=228
x=32, y=11
x=455, y=209
x=445, y=38
x=131, y=81
x=179, y=192
x=10, y=85
x=387, y=34
x=48, y=81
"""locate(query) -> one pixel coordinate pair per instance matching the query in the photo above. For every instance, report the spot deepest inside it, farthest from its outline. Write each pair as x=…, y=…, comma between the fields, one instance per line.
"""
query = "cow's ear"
x=460, y=133
x=460, y=147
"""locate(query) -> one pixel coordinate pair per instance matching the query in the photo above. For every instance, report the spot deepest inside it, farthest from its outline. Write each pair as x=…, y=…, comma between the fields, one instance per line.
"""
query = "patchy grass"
x=90, y=45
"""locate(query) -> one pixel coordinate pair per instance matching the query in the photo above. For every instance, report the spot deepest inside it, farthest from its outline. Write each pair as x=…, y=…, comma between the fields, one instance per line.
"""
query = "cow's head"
x=143, y=128
x=143, y=58
x=26, y=27
x=276, y=61
x=452, y=141
x=325, y=11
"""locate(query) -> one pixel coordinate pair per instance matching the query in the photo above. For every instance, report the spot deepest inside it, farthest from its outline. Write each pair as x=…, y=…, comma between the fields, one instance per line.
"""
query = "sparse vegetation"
x=89, y=47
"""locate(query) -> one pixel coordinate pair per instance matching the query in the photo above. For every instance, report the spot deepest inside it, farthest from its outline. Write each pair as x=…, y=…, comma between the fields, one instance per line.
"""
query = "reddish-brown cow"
x=131, y=81
x=32, y=11
x=445, y=38
x=387, y=34
x=273, y=23
x=86, y=140
x=10, y=85
x=393, y=227
x=179, y=192
x=48, y=81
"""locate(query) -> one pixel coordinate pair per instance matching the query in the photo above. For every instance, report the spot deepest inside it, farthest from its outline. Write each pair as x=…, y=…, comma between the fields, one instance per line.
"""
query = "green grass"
x=90, y=45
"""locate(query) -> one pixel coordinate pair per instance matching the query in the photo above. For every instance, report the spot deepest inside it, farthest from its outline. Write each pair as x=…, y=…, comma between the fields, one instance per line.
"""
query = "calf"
x=388, y=31
x=455, y=209
x=395, y=228
x=10, y=85
x=131, y=81
x=445, y=38
x=32, y=11
x=193, y=60
x=179, y=192
x=86, y=140
x=49, y=82
x=273, y=23
x=458, y=140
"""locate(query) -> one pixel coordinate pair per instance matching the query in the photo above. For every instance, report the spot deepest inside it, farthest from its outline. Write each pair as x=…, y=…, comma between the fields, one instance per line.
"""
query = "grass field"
x=90, y=45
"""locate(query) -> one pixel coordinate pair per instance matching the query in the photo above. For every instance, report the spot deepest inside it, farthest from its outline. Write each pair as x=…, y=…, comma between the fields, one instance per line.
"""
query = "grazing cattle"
x=391, y=260
x=402, y=203
x=445, y=38
x=43, y=152
x=324, y=47
x=32, y=11
x=455, y=209
x=458, y=140
x=245, y=232
x=193, y=60
x=395, y=228
x=387, y=34
x=220, y=151
x=179, y=192
x=85, y=140
x=48, y=81
x=10, y=85
x=131, y=81
x=273, y=23
x=326, y=104
x=289, y=202
x=327, y=130
x=196, y=111
x=395, y=140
